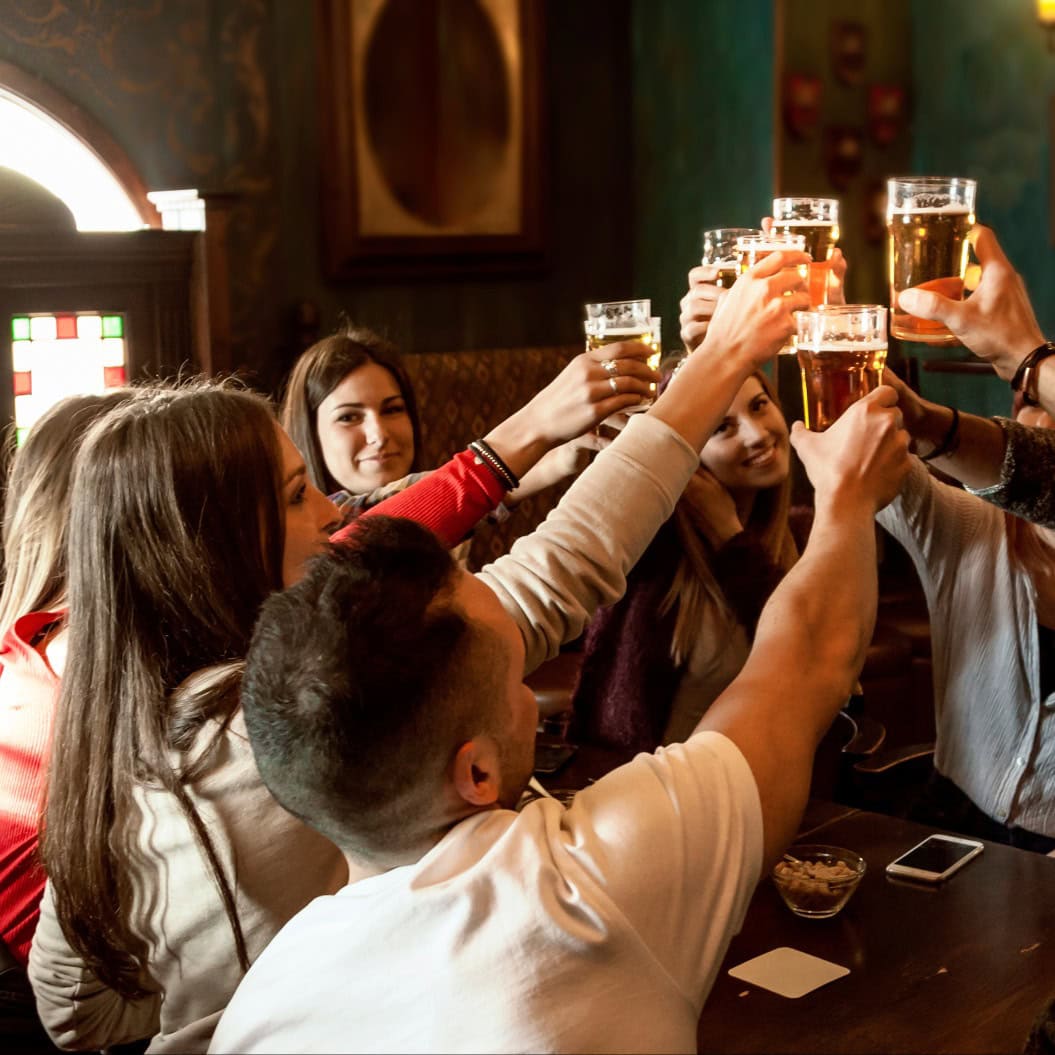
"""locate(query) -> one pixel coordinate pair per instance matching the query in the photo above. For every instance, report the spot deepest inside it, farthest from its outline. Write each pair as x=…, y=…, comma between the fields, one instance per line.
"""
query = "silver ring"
x=611, y=367
x=614, y=387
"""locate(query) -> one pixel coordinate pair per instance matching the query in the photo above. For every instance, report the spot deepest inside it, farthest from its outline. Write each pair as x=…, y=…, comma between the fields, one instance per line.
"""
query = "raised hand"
x=590, y=388
x=862, y=458
x=755, y=318
x=699, y=305
x=996, y=322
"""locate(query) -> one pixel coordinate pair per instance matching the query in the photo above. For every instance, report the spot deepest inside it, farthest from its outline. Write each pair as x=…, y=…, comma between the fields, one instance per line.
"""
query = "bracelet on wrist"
x=486, y=455
x=951, y=441
x=1025, y=379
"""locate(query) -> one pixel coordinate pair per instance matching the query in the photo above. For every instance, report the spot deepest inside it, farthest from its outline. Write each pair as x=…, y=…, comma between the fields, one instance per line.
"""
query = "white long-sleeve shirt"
x=995, y=734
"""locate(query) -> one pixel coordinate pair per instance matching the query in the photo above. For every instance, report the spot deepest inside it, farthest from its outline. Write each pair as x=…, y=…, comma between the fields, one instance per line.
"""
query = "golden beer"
x=820, y=244
x=835, y=376
x=841, y=350
x=929, y=249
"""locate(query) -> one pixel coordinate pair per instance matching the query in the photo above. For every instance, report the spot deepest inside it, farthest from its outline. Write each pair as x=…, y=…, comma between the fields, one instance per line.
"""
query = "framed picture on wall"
x=431, y=146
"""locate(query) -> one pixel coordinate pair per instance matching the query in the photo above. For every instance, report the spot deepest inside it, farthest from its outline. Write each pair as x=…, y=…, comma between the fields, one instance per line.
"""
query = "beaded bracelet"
x=951, y=441
x=486, y=454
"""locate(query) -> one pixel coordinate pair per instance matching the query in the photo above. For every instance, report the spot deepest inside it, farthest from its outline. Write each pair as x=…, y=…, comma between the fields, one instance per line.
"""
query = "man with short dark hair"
x=384, y=700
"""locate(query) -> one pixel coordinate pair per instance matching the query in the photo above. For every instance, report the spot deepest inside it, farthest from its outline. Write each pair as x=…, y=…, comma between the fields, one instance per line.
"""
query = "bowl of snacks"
x=817, y=881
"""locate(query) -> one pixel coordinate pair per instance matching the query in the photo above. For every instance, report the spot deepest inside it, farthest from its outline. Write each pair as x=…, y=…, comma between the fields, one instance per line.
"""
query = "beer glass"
x=817, y=220
x=622, y=320
x=842, y=351
x=719, y=250
x=751, y=248
x=928, y=218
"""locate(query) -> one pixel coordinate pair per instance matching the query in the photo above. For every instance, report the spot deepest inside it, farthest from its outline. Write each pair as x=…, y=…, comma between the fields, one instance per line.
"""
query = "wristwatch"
x=1027, y=376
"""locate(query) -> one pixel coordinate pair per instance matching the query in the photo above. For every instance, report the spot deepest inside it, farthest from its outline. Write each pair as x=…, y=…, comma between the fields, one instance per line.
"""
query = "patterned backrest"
x=462, y=395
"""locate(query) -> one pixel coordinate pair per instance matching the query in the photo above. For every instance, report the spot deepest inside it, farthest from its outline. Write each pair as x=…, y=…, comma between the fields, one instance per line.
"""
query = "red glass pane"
x=113, y=376
x=66, y=326
x=23, y=380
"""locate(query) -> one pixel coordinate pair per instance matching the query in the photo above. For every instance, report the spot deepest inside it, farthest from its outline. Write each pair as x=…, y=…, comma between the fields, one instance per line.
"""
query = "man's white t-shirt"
x=595, y=928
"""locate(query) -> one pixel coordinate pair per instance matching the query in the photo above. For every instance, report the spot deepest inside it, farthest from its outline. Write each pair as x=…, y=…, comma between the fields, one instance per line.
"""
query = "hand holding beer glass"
x=817, y=220
x=622, y=320
x=842, y=351
x=928, y=218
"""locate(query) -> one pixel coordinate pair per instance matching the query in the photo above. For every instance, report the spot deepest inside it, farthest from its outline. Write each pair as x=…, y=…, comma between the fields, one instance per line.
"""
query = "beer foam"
x=622, y=331
x=932, y=210
x=799, y=222
x=824, y=344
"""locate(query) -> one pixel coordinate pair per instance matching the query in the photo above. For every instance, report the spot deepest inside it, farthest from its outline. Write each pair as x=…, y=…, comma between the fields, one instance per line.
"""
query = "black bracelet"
x=951, y=441
x=486, y=454
x=1025, y=379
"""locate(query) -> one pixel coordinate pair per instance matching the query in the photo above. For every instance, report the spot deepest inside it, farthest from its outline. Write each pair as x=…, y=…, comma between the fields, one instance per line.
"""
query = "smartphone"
x=935, y=859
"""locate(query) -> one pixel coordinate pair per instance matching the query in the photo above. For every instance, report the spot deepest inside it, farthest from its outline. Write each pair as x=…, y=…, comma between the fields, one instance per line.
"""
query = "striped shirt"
x=995, y=733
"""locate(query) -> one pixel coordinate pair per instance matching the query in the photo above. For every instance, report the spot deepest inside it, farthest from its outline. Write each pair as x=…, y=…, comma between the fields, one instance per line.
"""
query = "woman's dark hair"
x=318, y=372
x=176, y=539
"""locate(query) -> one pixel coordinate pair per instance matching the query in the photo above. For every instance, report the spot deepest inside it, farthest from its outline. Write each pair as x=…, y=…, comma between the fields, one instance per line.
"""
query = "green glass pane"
x=20, y=328
x=113, y=326
x=20, y=436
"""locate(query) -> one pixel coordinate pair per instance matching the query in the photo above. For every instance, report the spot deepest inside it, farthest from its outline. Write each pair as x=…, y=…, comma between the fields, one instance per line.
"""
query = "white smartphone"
x=935, y=859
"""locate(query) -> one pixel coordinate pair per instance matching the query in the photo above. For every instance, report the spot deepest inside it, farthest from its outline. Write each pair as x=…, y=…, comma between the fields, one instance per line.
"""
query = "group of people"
x=263, y=748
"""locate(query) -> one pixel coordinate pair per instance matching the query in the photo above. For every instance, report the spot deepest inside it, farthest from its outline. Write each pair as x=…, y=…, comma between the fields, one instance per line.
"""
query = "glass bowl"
x=821, y=883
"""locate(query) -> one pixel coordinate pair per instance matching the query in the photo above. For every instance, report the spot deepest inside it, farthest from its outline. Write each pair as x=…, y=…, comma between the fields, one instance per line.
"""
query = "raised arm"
x=813, y=634
x=452, y=500
x=551, y=582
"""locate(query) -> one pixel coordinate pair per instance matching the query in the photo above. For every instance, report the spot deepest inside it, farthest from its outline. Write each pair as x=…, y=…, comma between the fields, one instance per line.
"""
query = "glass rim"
x=774, y=241
x=601, y=304
x=931, y=181
x=738, y=231
x=829, y=205
x=829, y=310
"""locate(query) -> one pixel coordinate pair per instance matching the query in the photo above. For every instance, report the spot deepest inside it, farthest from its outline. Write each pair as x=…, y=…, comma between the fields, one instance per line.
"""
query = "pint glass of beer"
x=622, y=320
x=817, y=220
x=842, y=351
x=928, y=218
x=751, y=248
x=719, y=250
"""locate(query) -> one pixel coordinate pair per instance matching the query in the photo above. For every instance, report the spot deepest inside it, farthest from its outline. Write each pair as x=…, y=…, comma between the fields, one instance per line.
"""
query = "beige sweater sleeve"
x=553, y=580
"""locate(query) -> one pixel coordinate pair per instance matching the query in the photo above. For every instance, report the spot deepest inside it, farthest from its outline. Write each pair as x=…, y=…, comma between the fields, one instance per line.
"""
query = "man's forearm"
x=977, y=453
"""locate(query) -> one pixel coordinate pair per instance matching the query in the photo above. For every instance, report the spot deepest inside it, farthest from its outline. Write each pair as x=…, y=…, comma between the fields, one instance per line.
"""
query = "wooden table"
x=963, y=967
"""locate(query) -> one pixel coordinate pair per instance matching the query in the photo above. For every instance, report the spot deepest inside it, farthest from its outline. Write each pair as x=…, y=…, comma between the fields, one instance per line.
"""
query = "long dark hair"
x=318, y=372
x=37, y=501
x=176, y=539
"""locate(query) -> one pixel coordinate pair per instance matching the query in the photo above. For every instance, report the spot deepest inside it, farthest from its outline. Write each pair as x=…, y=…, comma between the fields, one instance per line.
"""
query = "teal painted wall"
x=703, y=134
x=984, y=82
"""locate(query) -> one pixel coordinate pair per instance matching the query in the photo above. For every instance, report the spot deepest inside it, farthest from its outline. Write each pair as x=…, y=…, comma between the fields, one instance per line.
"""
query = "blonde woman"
x=655, y=661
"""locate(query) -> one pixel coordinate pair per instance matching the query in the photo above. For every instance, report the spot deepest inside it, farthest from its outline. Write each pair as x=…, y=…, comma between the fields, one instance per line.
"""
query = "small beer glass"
x=817, y=220
x=719, y=250
x=622, y=320
x=928, y=218
x=842, y=351
x=752, y=248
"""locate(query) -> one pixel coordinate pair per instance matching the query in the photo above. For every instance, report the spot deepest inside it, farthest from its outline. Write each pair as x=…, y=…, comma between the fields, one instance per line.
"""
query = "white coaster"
x=788, y=972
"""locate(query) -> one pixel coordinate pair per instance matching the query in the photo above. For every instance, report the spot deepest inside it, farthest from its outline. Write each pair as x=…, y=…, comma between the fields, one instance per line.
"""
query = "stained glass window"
x=64, y=354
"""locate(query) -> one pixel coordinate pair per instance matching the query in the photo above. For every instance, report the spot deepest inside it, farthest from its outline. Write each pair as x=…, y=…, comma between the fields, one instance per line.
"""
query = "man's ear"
x=475, y=771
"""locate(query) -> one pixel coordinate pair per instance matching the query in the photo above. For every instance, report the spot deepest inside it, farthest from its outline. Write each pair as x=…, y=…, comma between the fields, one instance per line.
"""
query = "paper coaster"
x=788, y=972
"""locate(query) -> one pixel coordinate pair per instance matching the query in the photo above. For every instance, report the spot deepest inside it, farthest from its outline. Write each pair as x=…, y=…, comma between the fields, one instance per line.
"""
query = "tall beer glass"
x=842, y=351
x=928, y=218
x=622, y=320
x=719, y=250
x=752, y=248
x=817, y=220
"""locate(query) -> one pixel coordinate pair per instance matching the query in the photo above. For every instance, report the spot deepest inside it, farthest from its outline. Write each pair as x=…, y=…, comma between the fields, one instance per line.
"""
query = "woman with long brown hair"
x=655, y=661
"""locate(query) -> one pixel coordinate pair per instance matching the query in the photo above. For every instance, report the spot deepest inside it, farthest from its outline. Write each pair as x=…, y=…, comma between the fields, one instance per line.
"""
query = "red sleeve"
x=450, y=501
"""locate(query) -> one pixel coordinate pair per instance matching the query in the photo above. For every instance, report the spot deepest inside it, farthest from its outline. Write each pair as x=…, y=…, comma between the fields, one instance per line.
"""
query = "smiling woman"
x=656, y=661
